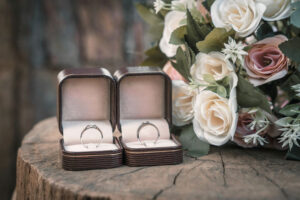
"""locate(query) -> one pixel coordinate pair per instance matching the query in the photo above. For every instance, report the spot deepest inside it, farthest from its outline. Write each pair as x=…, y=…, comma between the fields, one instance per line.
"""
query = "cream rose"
x=213, y=63
x=215, y=117
x=277, y=9
x=182, y=103
x=172, y=21
x=243, y=16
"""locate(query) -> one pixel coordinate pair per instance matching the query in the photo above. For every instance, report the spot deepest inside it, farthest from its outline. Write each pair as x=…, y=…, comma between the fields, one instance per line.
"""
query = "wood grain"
x=226, y=173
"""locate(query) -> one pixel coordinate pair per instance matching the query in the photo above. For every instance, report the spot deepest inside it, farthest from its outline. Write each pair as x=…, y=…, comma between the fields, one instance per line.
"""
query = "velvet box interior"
x=144, y=95
x=87, y=97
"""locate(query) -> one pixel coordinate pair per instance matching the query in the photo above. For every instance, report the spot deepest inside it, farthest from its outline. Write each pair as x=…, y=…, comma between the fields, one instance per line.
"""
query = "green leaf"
x=295, y=18
x=155, y=21
x=177, y=36
x=191, y=142
x=208, y=78
x=249, y=96
x=184, y=61
x=283, y=122
x=295, y=5
x=207, y=4
x=155, y=57
x=225, y=81
x=214, y=41
x=263, y=31
x=290, y=81
x=291, y=48
x=290, y=110
x=221, y=90
x=293, y=154
x=150, y=17
x=195, y=31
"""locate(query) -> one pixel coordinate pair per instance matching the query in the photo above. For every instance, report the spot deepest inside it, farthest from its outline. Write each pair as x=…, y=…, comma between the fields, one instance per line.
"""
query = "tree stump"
x=225, y=173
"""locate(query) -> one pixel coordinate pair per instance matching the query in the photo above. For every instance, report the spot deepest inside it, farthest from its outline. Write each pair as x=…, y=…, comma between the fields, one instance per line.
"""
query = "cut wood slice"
x=228, y=172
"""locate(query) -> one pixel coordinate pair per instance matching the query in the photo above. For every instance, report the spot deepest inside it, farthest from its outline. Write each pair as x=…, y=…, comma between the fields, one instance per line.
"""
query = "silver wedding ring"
x=142, y=126
x=91, y=127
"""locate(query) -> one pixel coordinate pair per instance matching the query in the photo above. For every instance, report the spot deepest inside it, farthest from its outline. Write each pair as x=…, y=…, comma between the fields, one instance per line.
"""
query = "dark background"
x=38, y=38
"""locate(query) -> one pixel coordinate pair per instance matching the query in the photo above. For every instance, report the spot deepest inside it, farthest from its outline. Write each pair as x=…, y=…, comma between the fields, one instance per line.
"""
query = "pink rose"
x=265, y=62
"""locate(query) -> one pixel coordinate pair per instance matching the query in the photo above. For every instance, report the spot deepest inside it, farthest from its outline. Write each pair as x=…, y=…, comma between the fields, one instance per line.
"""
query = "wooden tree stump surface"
x=228, y=172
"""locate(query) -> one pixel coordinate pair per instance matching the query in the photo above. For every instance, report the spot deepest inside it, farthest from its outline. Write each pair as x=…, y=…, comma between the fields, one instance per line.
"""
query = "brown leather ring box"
x=86, y=96
x=145, y=94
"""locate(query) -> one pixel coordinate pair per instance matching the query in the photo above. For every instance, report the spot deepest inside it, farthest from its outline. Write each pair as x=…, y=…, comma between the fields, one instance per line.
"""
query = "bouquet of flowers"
x=235, y=70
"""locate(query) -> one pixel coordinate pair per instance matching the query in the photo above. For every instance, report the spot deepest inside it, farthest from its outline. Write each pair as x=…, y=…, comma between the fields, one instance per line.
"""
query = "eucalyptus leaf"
x=283, y=122
x=295, y=18
x=215, y=40
x=212, y=88
x=291, y=48
x=177, y=36
x=249, y=96
x=191, y=142
x=295, y=5
x=225, y=81
x=209, y=78
x=221, y=90
x=290, y=110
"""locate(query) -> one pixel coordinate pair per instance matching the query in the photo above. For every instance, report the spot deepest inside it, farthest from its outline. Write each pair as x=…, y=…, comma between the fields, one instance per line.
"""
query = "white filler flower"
x=234, y=50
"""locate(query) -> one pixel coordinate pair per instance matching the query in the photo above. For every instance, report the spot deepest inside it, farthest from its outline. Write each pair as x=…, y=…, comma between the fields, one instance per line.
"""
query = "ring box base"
x=153, y=156
x=75, y=161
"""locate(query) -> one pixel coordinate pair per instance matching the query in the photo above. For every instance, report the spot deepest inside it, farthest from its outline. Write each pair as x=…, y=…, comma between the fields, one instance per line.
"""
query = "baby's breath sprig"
x=291, y=131
x=234, y=51
x=260, y=123
x=296, y=88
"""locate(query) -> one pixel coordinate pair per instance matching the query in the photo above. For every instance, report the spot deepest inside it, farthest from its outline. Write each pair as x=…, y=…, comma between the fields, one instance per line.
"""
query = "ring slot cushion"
x=144, y=94
x=86, y=96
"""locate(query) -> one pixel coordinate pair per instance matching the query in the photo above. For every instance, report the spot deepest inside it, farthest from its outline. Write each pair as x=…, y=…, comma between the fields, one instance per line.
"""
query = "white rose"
x=243, y=16
x=277, y=9
x=182, y=103
x=213, y=63
x=172, y=22
x=215, y=117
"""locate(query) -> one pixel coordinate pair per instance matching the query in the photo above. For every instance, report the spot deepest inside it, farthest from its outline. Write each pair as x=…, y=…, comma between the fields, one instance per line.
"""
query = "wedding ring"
x=91, y=127
x=142, y=126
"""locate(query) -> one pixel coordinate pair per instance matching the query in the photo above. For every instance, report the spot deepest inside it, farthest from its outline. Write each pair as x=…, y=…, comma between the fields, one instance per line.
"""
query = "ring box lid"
x=80, y=73
x=122, y=74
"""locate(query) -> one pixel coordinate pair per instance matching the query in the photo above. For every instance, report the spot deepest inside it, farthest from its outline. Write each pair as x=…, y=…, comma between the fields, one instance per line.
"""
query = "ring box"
x=144, y=94
x=86, y=96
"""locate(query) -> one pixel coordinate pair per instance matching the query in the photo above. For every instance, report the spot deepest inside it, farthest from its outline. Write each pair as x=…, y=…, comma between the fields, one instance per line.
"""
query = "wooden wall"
x=38, y=38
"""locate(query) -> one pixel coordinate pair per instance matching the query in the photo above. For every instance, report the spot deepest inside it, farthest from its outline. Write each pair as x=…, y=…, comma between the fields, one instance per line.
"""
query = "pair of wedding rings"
x=144, y=124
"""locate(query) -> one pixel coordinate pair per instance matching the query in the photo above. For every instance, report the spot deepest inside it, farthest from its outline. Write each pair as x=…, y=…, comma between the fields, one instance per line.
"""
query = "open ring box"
x=86, y=97
x=144, y=94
